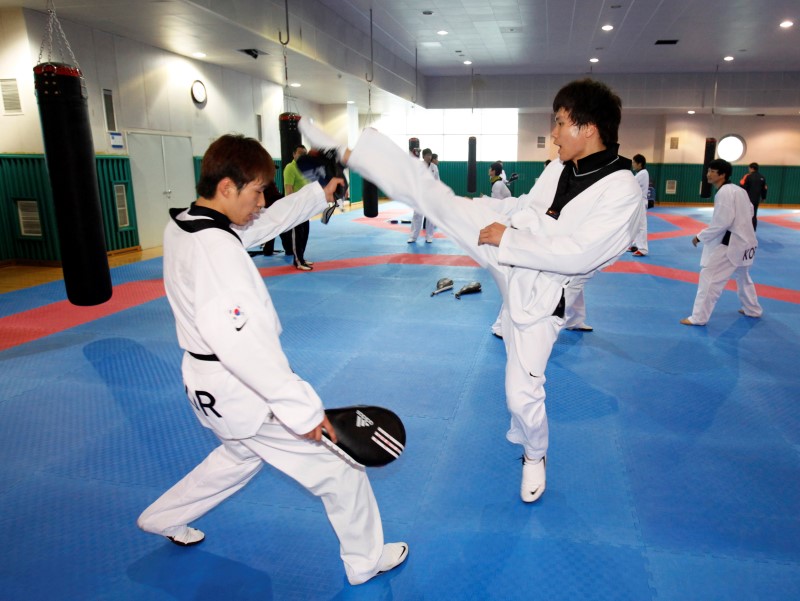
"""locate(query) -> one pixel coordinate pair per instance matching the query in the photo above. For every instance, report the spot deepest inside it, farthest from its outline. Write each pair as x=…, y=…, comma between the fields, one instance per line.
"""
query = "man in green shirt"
x=295, y=240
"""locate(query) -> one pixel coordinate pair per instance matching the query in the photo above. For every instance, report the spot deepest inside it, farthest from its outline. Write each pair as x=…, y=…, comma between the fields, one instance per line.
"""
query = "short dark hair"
x=639, y=158
x=591, y=102
x=434, y=156
x=497, y=167
x=427, y=151
x=753, y=166
x=298, y=146
x=722, y=167
x=241, y=159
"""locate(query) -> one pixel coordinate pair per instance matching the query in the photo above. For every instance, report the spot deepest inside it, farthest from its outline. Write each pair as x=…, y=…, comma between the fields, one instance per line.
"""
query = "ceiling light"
x=199, y=54
x=607, y=27
x=594, y=60
x=351, y=102
x=787, y=24
x=728, y=58
x=690, y=112
x=467, y=62
x=442, y=32
x=294, y=85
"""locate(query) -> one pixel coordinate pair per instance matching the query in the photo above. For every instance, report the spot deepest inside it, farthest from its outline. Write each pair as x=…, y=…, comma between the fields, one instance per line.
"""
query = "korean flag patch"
x=238, y=317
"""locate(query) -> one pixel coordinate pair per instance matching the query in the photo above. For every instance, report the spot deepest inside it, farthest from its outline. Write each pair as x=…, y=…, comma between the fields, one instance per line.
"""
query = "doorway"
x=162, y=170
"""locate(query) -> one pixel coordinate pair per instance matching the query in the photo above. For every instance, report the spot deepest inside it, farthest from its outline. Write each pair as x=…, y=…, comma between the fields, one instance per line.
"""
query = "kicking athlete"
x=540, y=248
x=237, y=378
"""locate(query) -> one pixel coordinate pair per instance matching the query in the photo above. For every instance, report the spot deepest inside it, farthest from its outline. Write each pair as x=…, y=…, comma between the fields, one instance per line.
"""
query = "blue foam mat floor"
x=673, y=471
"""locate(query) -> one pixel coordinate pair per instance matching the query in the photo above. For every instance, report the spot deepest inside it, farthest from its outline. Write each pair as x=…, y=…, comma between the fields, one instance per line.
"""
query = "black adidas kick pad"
x=371, y=436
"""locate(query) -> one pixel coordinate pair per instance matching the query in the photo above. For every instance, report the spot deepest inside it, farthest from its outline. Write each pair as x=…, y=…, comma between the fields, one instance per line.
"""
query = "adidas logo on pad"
x=362, y=421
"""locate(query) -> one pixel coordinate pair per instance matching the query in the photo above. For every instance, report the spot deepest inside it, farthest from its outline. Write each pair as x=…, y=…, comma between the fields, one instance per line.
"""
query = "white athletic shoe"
x=185, y=536
x=393, y=555
x=533, y=479
x=581, y=328
x=411, y=240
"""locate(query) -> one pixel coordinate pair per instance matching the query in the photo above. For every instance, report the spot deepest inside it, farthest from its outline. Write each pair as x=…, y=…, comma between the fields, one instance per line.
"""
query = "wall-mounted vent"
x=540, y=141
x=121, y=201
x=10, y=93
x=666, y=42
x=28, y=215
x=672, y=186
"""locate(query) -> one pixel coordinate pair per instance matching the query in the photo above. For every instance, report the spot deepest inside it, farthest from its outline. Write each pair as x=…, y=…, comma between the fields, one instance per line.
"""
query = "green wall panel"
x=24, y=177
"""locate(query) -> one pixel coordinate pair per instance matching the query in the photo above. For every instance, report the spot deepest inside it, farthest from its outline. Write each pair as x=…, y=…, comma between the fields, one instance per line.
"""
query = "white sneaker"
x=533, y=479
x=581, y=328
x=393, y=555
x=185, y=536
x=410, y=240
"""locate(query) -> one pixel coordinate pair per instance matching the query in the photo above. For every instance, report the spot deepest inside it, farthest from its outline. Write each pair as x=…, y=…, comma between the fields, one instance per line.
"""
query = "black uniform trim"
x=589, y=170
x=203, y=357
x=212, y=219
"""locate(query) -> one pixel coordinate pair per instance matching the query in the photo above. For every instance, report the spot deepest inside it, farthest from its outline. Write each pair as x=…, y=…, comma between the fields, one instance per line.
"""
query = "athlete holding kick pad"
x=238, y=380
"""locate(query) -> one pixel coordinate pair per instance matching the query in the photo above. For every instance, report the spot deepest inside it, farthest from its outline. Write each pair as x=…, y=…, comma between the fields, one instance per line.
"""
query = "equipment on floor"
x=470, y=288
x=368, y=435
x=442, y=285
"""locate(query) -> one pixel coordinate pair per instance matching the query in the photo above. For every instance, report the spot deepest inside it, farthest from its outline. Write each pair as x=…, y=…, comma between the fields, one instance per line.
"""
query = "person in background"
x=293, y=181
x=755, y=185
x=499, y=187
x=639, y=247
x=418, y=218
x=729, y=246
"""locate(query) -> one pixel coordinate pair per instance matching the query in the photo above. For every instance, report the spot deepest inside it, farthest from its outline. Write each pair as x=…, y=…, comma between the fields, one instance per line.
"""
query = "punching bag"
x=472, y=167
x=369, y=196
x=705, y=187
x=290, y=136
x=70, y=158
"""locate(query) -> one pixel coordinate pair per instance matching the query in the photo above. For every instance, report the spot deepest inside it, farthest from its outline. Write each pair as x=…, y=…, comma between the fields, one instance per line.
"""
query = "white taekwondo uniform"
x=240, y=384
x=418, y=218
x=733, y=212
x=643, y=179
x=538, y=260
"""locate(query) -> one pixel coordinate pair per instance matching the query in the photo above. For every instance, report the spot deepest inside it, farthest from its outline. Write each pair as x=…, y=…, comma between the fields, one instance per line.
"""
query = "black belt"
x=561, y=306
x=203, y=357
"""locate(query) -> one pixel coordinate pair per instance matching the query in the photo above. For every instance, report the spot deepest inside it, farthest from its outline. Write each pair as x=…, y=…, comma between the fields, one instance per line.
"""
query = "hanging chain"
x=54, y=25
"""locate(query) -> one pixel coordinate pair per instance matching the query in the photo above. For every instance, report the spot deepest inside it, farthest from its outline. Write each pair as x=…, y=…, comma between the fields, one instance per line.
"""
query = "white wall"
x=150, y=89
x=770, y=140
x=18, y=133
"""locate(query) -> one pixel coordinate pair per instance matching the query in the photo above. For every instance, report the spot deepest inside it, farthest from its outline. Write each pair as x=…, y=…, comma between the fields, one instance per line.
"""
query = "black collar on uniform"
x=589, y=170
x=211, y=219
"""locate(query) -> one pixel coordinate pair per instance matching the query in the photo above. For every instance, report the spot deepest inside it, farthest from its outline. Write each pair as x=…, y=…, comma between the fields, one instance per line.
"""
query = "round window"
x=731, y=148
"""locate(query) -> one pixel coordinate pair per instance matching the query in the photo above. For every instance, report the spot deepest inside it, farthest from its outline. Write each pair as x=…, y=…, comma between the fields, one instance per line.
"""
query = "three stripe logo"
x=387, y=442
x=362, y=421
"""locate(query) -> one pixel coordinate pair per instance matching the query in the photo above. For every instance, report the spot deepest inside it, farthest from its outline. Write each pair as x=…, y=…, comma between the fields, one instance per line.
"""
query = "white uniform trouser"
x=345, y=491
x=462, y=221
x=574, y=312
x=416, y=226
x=713, y=278
x=640, y=241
